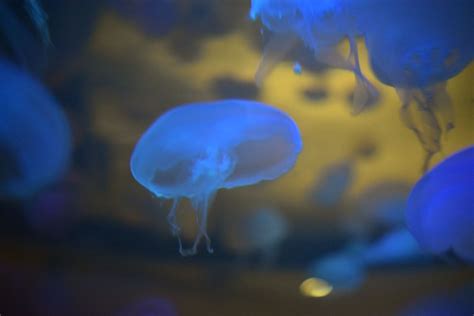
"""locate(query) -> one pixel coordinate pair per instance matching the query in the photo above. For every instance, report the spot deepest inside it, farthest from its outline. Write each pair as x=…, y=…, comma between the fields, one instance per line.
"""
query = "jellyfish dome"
x=321, y=26
x=35, y=139
x=196, y=149
x=440, y=208
x=411, y=49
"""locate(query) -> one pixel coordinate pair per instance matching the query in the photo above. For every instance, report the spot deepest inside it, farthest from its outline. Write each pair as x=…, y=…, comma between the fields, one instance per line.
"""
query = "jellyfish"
x=414, y=51
x=245, y=237
x=35, y=138
x=153, y=17
x=194, y=150
x=343, y=270
x=321, y=26
x=333, y=184
x=440, y=208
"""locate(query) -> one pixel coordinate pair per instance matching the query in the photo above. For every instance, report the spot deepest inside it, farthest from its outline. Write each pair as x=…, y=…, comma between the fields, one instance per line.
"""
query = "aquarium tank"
x=236, y=157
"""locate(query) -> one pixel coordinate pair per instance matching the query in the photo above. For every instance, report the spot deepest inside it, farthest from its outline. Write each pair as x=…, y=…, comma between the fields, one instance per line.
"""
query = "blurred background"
x=95, y=242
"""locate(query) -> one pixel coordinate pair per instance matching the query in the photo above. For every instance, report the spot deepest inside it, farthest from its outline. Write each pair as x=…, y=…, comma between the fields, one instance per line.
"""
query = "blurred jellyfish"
x=342, y=270
x=149, y=307
x=455, y=303
x=194, y=150
x=153, y=17
x=260, y=232
x=411, y=49
x=440, y=208
x=383, y=205
x=395, y=247
x=35, y=138
x=333, y=184
x=321, y=25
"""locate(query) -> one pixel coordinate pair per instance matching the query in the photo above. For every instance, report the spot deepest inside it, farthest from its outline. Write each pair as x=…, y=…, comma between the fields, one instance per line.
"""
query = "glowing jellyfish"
x=35, y=139
x=411, y=49
x=244, y=236
x=321, y=25
x=440, y=208
x=343, y=270
x=333, y=184
x=194, y=150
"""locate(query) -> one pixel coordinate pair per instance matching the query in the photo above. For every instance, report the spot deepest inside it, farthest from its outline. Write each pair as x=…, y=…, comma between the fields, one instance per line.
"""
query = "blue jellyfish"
x=35, y=139
x=321, y=26
x=394, y=247
x=194, y=150
x=411, y=49
x=244, y=234
x=333, y=184
x=440, y=208
x=153, y=17
x=343, y=270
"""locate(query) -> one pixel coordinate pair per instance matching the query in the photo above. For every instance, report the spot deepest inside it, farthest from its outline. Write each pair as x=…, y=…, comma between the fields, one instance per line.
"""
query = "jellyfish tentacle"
x=175, y=229
x=274, y=51
x=365, y=92
x=442, y=104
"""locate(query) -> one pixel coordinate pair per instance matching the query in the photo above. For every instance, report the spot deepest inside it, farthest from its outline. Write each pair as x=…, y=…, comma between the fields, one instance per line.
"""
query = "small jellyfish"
x=343, y=270
x=194, y=150
x=414, y=51
x=333, y=183
x=383, y=204
x=440, y=208
x=35, y=138
x=244, y=235
x=321, y=26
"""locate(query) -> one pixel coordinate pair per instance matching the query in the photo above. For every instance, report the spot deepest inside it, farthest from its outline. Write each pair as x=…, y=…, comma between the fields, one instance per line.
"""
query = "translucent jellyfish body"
x=440, y=208
x=35, y=139
x=261, y=231
x=414, y=51
x=343, y=270
x=194, y=150
x=321, y=26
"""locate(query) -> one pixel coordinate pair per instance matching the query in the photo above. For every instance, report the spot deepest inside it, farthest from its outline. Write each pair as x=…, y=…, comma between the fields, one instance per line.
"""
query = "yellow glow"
x=314, y=287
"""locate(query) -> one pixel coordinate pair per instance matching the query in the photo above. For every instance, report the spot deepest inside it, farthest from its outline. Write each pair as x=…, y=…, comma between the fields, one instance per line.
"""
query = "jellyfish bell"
x=440, y=208
x=34, y=135
x=194, y=150
x=413, y=51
